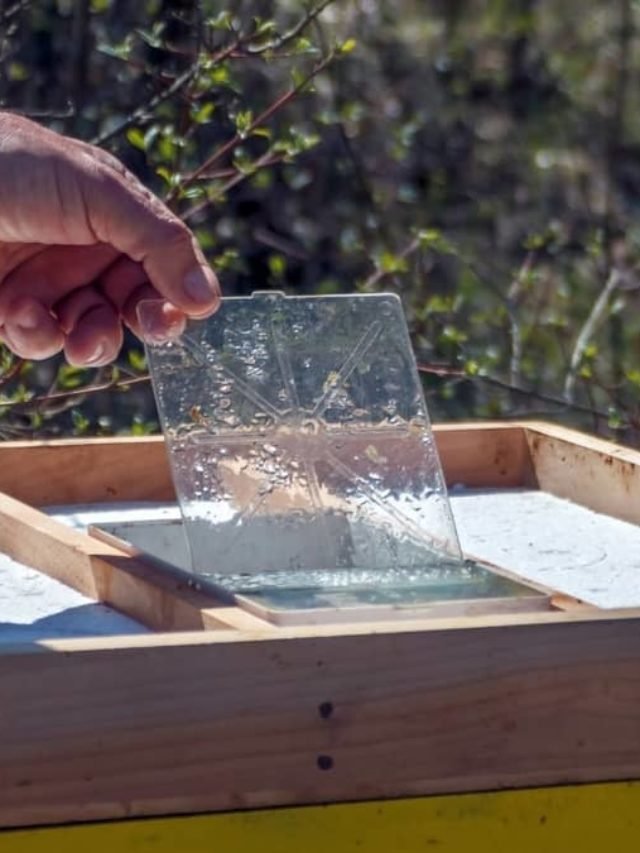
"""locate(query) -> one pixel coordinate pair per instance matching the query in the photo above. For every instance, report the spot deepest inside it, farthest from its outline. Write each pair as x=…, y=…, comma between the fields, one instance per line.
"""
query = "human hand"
x=82, y=242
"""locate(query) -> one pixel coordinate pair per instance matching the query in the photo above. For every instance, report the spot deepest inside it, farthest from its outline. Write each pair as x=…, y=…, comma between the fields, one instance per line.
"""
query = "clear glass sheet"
x=300, y=443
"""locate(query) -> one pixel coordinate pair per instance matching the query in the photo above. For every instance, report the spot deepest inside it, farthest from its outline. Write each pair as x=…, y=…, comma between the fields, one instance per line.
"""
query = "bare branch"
x=85, y=390
x=235, y=177
x=13, y=10
x=513, y=302
x=445, y=370
x=587, y=331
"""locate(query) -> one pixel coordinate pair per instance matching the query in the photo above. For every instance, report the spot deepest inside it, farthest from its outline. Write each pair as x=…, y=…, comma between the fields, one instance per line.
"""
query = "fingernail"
x=96, y=355
x=198, y=287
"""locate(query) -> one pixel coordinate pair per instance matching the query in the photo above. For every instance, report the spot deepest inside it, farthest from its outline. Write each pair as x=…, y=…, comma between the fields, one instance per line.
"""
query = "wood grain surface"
x=188, y=723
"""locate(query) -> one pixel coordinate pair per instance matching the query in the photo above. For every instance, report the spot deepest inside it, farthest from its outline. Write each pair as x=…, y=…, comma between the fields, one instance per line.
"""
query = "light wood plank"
x=486, y=455
x=104, y=470
x=588, y=471
x=157, y=598
x=197, y=726
x=77, y=471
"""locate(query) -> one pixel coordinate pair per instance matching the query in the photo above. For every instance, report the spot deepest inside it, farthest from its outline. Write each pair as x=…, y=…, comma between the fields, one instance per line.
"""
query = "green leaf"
x=390, y=263
x=243, y=121
x=140, y=427
x=70, y=377
x=226, y=261
x=204, y=113
x=261, y=131
x=303, y=46
x=277, y=265
x=615, y=420
x=154, y=36
x=121, y=50
x=297, y=77
x=193, y=192
x=264, y=27
x=172, y=179
x=219, y=76
x=348, y=46
x=432, y=238
x=80, y=422
x=137, y=360
x=17, y=72
x=222, y=21
x=136, y=138
x=590, y=352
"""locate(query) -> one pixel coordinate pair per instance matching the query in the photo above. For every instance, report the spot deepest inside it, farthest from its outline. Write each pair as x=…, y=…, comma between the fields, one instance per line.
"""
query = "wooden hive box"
x=477, y=731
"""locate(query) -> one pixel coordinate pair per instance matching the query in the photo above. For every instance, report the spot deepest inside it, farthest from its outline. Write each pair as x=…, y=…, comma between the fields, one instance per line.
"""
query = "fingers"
x=119, y=281
x=31, y=331
x=87, y=242
x=76, y=299
x=92, y=327
x=160, y=319
x=137, y=224
x=52, y=274
x=87, y=327
x=125, y=284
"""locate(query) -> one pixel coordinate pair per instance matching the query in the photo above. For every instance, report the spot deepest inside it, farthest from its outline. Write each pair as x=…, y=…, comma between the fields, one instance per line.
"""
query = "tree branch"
x=36, y=401
x=378, y=275
x=142, y=111
x=264, y=116
x=513, y=300
x=294, y=32
x=587, y=331
x=457, y=373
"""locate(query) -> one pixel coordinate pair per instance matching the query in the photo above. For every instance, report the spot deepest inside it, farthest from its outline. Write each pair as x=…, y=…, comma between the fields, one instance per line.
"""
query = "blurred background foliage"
x=479, y=157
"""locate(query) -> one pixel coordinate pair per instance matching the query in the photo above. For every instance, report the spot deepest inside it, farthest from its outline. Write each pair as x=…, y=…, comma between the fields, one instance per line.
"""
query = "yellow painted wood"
x=590, y=818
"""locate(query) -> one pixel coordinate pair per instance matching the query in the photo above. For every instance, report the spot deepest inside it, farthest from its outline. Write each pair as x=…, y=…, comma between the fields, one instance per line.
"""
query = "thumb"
x=124, y=214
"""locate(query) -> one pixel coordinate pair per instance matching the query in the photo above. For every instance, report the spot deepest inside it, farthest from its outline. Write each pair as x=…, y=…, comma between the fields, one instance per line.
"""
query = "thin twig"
x=458, y=373
x=380, y=274
x=76, y=392
x=264, y=116
x=141, y=112
x=513, y=303
x=78, y=59
x=303, y=23
x=13, y=10
x=587, y=331
x=237, y=177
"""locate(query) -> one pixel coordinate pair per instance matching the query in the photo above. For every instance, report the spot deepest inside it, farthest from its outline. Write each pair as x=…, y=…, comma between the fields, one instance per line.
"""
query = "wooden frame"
x=247, y=715
x=589, y=471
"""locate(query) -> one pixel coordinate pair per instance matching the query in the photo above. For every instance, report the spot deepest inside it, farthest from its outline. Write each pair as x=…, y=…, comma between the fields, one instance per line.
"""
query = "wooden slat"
x=588, y=471
x=157, y=598
x=104, y=470
x=77, y=471
x=484, y=455
x=159, y=726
